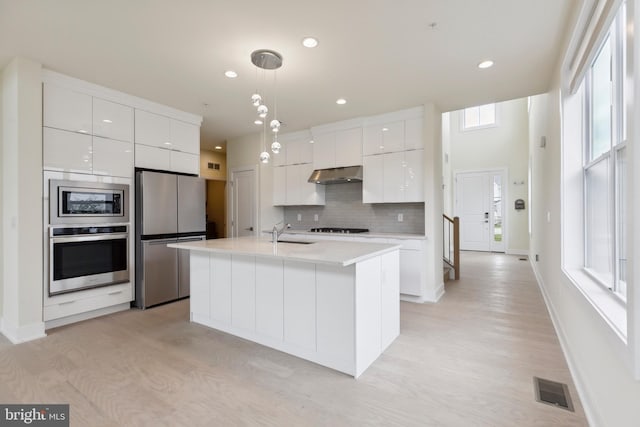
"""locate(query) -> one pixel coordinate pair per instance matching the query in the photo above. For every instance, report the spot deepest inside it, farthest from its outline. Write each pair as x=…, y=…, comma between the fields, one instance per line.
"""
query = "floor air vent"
x=552, y=393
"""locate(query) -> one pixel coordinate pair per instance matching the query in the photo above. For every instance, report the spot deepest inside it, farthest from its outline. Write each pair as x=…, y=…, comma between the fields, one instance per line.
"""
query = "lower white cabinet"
x=300, y=304
x=291, y=188
x=82, y=302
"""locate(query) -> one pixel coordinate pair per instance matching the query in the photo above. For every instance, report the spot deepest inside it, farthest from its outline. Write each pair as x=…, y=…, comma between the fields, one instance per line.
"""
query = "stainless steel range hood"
x=337, y=175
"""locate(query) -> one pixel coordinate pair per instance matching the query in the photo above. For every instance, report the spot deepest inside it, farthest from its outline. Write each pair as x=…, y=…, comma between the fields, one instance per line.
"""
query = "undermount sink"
x=300, y=242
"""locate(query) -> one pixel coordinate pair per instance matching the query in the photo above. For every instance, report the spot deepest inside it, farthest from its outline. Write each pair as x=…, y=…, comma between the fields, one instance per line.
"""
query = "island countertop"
x=321, y=252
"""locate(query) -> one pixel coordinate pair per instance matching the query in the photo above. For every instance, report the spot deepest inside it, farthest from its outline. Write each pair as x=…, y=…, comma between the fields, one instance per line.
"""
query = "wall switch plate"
x=400, y=217
x=548, y=216
x=315, y=217
x=299, y=217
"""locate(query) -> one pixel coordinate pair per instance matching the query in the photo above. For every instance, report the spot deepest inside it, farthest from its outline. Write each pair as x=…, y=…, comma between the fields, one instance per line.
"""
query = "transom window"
x=479, y=117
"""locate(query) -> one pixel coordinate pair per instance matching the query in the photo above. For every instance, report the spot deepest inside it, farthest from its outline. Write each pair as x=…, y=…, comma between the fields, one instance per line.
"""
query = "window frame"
x=465, y=128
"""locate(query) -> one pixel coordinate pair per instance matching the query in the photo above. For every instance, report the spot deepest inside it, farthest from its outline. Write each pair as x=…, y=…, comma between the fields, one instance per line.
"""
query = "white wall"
x=1, y=210
x=503, y=146
x=22, y=200
x=243, y=152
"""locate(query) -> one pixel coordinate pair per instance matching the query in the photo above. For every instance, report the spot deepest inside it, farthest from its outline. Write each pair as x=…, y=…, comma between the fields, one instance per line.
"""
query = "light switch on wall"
x=315, y=217
x=299, y=217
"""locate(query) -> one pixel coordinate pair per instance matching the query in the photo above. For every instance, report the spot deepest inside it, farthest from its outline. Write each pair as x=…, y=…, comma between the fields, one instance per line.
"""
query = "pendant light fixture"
x=267, y=60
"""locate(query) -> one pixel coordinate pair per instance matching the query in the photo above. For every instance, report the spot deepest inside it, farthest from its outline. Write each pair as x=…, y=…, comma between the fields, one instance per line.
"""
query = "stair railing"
x=451, y=243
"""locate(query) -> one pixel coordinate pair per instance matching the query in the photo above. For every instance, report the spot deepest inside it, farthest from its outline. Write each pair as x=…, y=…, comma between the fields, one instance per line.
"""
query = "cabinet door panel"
x=413, y=176
x=152, y=157
x=372, y=140
x=66, y=151
x=310, y=193
x=300, y=304
x=152, y=129
x=243, y=292
x=269, y=298
x=393, y=166
x=293, y=186
x=413, y=134
x=336, y=311
x=66, y=109
x=112, y=120
x=349, y=147
x=324, y=151
x=410, y=278
x=373, y=179
x=220, y=287
x=185, y=137
x=393, y=136
x=185, y=162
x=111, y=157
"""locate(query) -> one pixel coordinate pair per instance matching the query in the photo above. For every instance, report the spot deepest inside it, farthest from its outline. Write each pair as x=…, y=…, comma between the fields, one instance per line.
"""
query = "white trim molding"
x=20, y=334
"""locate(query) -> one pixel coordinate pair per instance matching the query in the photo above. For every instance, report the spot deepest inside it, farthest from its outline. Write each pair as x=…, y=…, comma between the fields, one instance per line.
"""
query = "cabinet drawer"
x=111, y=295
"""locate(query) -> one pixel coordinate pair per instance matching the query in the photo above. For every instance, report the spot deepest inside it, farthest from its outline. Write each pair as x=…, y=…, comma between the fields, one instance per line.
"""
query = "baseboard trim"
x=20, y=334
x=432, y=297
x=587, y=403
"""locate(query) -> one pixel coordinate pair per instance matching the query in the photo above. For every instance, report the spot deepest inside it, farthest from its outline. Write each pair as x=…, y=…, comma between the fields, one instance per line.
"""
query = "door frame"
x=230, y=199
x=504, y=171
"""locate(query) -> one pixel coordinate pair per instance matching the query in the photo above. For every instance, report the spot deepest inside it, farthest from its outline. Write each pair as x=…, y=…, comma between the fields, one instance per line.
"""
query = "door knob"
x=249, y=229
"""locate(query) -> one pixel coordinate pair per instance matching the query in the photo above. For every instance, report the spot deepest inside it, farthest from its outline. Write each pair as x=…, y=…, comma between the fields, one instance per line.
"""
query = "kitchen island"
x=333, y=303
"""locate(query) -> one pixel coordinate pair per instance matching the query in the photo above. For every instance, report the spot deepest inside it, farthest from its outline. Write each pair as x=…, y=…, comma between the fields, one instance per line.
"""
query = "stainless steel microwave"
x=79, y=202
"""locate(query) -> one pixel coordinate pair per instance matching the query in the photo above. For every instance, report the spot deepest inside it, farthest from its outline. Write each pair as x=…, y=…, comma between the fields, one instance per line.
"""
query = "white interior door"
x=243, y=203
x=479, y=204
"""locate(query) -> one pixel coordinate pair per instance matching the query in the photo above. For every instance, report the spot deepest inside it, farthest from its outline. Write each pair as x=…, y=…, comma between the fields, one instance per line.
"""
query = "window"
x=604, y=167
x=479, y=117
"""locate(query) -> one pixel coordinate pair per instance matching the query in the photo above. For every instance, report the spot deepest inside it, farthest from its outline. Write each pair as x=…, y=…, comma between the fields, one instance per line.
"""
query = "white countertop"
x=321, y=252
x=367, y=234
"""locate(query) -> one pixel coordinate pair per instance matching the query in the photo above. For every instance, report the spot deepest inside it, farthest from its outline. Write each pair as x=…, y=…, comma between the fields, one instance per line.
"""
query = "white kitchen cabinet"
x=66, y=151
x=338, y=148
x=269, y=298
x=112, y=158
x=324, y=151
x=298, y=151
x=220, y=284
x=413, y=134
x=291, y=188
x=152, y=129
x=393, y=177
x=184, y=162
x=411, y=271
x=185, y=137
x=414, y=176
x=393, y=171
x=152, y=157
x=300, y=304
x=383, y=138
x=243, y=292
x=70, y=304
x=112, y=120
x=280, y=186
x=66, y=109
x=372, y=179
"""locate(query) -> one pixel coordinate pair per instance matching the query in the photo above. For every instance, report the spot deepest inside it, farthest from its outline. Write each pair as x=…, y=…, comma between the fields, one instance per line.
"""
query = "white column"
x=21, y=207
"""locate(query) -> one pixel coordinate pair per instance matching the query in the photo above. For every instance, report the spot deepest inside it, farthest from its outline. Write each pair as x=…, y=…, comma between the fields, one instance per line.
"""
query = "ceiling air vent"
x=552, y=393
x=214, y=166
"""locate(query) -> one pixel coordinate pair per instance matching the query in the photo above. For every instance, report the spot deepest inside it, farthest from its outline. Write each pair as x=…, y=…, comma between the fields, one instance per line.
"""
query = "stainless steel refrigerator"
x=169, y=208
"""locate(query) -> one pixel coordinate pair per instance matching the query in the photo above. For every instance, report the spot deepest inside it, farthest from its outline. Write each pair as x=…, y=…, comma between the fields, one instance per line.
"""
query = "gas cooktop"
x=338, y=230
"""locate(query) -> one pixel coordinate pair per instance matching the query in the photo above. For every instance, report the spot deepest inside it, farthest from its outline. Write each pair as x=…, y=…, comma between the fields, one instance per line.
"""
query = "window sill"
x=609, y=306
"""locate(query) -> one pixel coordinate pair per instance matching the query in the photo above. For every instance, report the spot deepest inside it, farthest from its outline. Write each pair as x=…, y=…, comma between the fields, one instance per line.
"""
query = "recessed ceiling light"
x=167, y=143
x=385, y=129
x=258, y=122
x=485, y=64
x=309, y=42
x=107, y=121
x=217, y=147
x=231, y=74
x=341, y=101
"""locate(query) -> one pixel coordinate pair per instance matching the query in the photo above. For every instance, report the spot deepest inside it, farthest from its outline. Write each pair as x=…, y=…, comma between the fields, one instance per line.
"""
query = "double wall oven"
x=88, y=235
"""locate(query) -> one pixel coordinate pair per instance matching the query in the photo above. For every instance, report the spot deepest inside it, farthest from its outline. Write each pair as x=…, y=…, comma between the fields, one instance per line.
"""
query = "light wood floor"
x=466, y=361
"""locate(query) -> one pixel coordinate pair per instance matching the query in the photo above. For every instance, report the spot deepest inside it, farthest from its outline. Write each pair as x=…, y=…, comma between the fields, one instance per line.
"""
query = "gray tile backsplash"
x=344, y=208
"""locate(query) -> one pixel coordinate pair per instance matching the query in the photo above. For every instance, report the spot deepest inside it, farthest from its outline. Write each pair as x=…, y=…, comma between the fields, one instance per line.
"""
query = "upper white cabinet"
x=153, y=129
x=291, y=188
x=296, y=149
x=112, y=120
x=152, y=157
x=393, y=177
x=66, y=109
x=393, y=132
x=185, y=137
x=66, y=151
x=337, y=148
x=112, y=158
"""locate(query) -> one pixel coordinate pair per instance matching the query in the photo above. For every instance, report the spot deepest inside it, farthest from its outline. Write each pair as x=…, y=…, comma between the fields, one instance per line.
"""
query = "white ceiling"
x=381, y=55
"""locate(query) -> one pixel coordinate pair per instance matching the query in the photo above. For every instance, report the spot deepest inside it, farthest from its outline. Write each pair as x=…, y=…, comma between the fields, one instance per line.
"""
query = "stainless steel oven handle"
x=88, y=238
x=159, y=242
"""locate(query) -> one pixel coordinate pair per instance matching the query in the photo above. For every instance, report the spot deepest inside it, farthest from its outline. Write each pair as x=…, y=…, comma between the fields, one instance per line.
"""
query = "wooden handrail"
x=452, y=224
